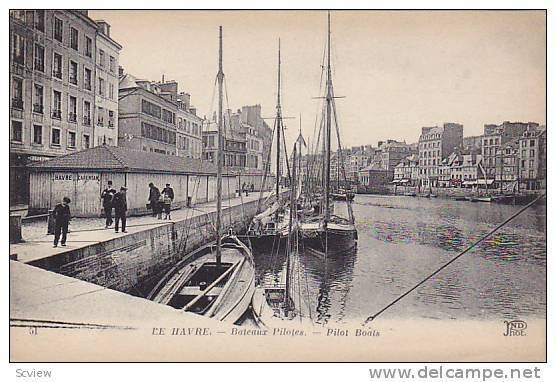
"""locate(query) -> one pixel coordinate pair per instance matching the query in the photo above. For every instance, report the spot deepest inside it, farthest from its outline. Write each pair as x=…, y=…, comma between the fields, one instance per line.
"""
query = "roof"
x=374, y=167
x=121, y=159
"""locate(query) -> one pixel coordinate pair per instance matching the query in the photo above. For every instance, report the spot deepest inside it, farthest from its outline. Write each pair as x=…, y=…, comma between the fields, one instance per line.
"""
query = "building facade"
x=147, y=119
x=106, y=92
x=532, y=156
x=435, y=144
x=497, y=135
x=52, y=88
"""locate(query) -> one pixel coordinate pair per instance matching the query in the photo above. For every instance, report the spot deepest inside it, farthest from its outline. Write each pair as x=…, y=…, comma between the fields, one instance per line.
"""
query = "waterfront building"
x=532, y=157
x=374, y=177
x=460, y=168
x=147, y=117
x=407, y=171
x=82, y=175
x=106, y=84
x=389, y=153
x=52, y=84
x=494, y=137
x=436, y=144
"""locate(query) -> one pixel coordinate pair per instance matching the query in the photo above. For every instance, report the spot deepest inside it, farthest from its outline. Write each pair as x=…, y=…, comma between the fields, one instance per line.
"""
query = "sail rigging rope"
x=473, y=245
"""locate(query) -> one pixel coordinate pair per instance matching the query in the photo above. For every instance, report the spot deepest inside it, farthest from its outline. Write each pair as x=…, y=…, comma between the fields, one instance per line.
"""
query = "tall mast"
x=291, y=242
x=328, y=123
x=278, y=127
x=220, y=78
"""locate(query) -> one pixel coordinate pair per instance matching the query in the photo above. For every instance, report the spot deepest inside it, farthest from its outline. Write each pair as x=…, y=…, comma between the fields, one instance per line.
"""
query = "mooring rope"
x=372, y=317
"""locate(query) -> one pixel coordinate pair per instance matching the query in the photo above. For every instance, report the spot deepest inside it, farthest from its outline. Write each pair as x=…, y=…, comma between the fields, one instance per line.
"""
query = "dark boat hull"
x=330, y=242
x=265, y=243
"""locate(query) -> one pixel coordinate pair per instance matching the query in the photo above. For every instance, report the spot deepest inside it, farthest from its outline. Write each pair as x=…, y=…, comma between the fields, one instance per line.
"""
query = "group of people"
x=117, y=201
x=160, y=201
x=245, y=188
x=113, y=200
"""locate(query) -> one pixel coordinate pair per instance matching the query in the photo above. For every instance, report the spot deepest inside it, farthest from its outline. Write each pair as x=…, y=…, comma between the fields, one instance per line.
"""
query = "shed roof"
x=120, y=159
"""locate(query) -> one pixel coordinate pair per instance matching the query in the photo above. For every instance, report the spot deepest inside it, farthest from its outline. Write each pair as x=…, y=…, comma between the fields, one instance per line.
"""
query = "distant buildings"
x=57, y=85
x=435, y=144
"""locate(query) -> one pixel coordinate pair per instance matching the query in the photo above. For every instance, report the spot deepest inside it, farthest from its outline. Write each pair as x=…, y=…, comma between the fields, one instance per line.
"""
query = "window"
x=39, y=58
x=17, y=93
x=72, y=109
x=73, y=72
x=86, y=141
x=87, y=113
x=101, y=57
x=39, y=20
x=37, y=134
x=112, y=64
x=532, y=143
x=38, y=99
x=58, y=29
x=100, y=116
x=18, y=15
x=88, y=47
x=100, y=86
x=74, y=39
x=110, y=118
x=17, y=131
x=151, y=109
x=55, y=137
x=87, y=78
x=57, y=105
x=57, y=66
x=111, y=90
x=18, y=52
x=532, y=153
x=71, y=139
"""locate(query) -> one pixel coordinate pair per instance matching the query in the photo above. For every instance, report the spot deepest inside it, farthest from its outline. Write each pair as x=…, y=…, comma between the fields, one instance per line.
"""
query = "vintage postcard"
x=278, y=185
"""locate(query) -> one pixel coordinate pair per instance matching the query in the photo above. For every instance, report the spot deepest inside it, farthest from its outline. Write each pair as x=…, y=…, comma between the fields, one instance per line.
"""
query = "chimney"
x=103, y=27
x=120, y=71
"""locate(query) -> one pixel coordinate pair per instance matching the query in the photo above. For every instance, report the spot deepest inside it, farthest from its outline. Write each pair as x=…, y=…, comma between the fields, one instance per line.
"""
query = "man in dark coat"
x=120, y=208
x=107, y=196
x=154, y=196
x=168, y=198
x=62, y=216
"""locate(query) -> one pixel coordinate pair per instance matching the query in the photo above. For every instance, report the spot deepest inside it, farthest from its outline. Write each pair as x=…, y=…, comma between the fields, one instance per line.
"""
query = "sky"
x=398, y=70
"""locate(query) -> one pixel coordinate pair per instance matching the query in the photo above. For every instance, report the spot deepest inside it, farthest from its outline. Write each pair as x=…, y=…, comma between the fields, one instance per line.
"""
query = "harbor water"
x=404, y=239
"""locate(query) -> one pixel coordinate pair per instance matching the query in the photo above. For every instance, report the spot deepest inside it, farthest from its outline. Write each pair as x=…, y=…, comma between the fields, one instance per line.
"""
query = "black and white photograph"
x=312, y=185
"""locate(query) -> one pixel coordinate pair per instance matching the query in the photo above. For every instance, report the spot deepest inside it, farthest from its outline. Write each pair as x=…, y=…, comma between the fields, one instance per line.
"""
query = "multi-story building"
x=247, y=140
x=407, y=171
x=435, y=144
x=147, y=117
x=106, y=92
x=188, y=124
x=459, y=167
x=532, y=156
x=391, y=152
x=494, y=137
x=52, y=82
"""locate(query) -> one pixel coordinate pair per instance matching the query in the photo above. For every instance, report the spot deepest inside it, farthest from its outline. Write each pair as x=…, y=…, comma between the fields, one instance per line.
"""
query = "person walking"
x=107, y=196
x=62, y=216
x=120, y=208
x=154, y=196
x=168, y=198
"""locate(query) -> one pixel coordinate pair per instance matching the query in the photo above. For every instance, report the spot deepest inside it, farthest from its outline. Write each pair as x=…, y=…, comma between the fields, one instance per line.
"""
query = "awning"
x=404, y=181
x=469, y=183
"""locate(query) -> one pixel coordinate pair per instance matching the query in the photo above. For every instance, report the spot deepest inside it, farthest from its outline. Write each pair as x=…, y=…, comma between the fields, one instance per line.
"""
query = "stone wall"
x=134, y=263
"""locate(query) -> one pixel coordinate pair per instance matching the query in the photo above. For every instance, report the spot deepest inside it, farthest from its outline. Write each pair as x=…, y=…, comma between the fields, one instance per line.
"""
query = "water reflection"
x=402, y=240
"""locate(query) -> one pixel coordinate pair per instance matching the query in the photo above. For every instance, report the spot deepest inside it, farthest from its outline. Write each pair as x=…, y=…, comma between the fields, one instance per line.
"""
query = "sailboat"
x=218, y=279
x=269, y=229
x=328, y=234
x=280, y=304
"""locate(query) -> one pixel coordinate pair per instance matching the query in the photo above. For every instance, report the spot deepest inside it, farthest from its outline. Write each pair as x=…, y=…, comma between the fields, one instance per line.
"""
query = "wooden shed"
x=84, y=174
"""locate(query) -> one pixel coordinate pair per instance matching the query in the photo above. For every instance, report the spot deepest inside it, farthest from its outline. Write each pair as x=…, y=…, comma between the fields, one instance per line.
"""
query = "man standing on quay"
x=62, y=216
x=120, y=208
x=107, y=196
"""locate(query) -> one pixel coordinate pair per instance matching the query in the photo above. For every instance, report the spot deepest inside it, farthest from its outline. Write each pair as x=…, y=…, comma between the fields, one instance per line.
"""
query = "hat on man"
x=167, y=184
x=109, y=182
